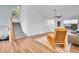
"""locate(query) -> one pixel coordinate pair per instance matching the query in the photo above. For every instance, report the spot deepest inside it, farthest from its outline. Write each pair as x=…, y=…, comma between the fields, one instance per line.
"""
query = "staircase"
x=18, y=33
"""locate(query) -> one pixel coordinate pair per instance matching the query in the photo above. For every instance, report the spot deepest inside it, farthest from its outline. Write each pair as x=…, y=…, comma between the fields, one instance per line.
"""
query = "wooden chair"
x=58, y=38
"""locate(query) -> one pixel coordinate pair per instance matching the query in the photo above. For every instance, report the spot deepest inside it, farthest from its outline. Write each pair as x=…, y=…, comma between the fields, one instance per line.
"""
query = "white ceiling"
x=48, y=11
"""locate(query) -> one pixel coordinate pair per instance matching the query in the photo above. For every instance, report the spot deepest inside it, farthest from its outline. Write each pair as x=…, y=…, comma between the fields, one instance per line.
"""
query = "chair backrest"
x=60, y=35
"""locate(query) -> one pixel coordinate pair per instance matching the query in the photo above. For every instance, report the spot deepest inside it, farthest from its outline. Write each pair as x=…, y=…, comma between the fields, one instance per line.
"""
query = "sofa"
x=74, y=39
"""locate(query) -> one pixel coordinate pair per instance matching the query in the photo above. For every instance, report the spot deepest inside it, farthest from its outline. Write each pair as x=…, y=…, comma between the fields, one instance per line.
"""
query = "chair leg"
x=53, y=44
x=64, y=45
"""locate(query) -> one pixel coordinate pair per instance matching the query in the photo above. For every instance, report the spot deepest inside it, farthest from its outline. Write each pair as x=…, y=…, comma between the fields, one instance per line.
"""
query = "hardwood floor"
x=23, y=46
x=29, y=45
x=74, y=48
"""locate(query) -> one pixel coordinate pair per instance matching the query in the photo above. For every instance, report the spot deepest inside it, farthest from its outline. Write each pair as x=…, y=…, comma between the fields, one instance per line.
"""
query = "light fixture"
x=57, y=18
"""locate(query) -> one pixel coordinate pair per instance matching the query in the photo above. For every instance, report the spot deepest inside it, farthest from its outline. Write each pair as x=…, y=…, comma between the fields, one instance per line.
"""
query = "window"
x=70, y=21
x=72, y=24
x=51, y=22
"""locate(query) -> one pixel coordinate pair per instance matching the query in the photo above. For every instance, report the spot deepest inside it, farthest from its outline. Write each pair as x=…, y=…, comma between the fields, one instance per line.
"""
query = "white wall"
x=32, y=22
x=23, y=19
x=4, y=15
x=34, y=19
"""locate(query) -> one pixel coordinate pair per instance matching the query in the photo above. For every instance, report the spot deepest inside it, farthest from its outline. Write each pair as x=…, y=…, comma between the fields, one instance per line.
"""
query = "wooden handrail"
x=11, y=31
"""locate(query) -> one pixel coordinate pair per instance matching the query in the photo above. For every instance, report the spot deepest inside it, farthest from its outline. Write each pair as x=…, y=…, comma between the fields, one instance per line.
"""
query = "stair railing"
x=11, y=31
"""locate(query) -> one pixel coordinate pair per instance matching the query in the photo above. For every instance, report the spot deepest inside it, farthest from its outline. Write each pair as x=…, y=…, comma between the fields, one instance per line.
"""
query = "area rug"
x=44, y=41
